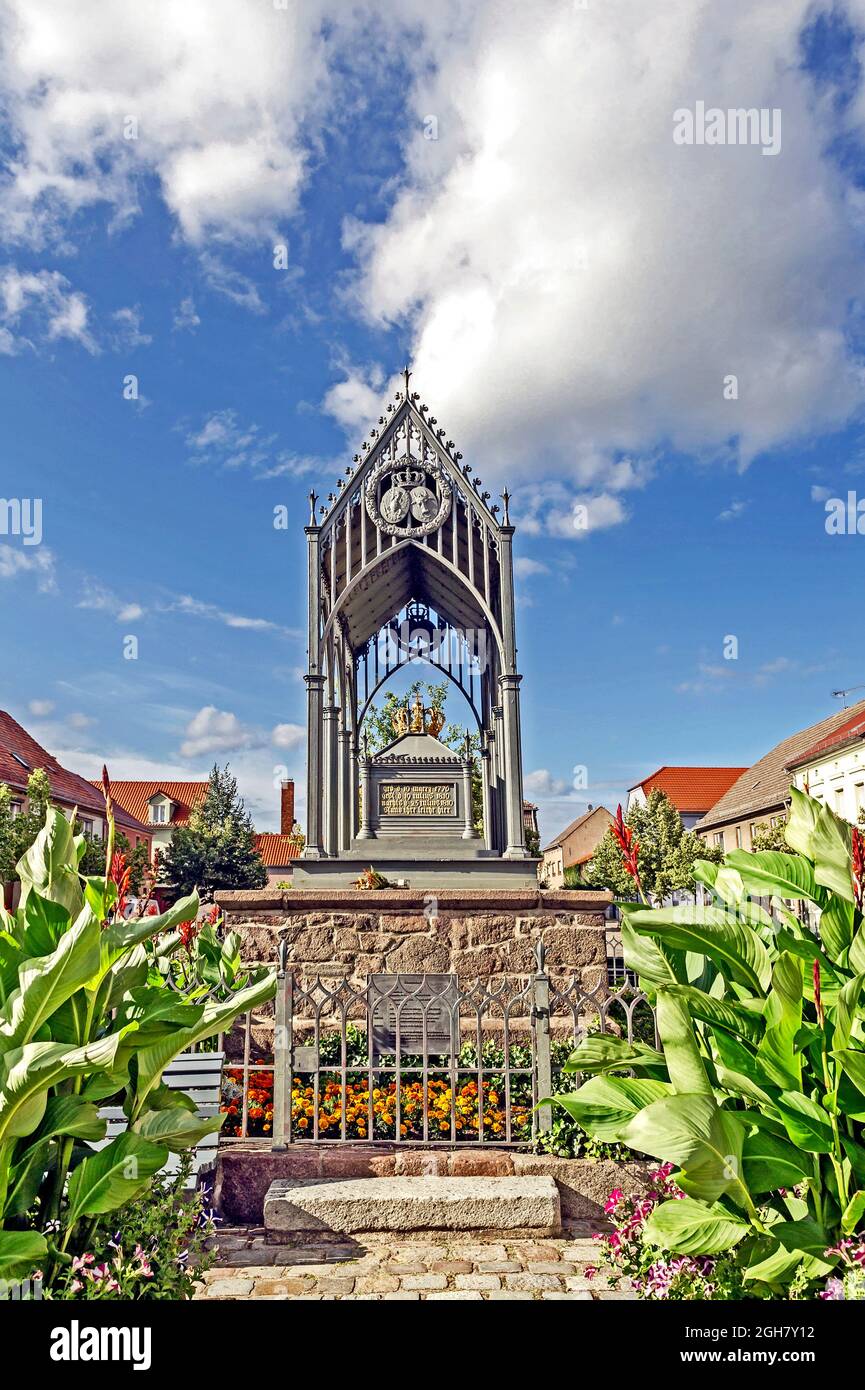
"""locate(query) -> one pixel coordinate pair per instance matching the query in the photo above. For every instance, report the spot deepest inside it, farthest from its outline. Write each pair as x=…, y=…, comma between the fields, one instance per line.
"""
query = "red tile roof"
x=134, y=797
x=691, y=789
x=67, y=788
x=277, y=850
x=851, y=731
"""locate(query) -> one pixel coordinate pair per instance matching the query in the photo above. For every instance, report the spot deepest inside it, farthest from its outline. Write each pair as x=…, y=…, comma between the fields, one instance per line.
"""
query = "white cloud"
x=580, y=286
x=197, y=608
x=79, y=720
x=101, y=599
x=733, y=512
x=40, y=307
x=289, y=735
x=40, y=708
x=213, y=730
x=525, y=567
x=820, y=494
x=185, y=316
x=205, y=101
x=128, y=332
x=37, y=560
x=542, y=783
x=554, y=509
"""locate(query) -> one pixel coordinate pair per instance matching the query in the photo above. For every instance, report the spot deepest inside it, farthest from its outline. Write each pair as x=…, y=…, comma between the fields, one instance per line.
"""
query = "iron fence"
x=418, y=1059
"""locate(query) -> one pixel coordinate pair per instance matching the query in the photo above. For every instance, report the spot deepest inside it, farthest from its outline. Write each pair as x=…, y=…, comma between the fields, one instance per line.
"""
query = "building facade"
x=833, y=769
x=760, y=798
x=574, y=847
x=692, y=790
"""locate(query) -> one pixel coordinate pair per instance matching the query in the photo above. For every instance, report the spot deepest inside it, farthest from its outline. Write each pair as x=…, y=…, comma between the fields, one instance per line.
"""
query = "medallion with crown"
x=400, y=501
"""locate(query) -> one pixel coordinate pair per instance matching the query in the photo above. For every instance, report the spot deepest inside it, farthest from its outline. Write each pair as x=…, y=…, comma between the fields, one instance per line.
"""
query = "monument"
x=408, y=561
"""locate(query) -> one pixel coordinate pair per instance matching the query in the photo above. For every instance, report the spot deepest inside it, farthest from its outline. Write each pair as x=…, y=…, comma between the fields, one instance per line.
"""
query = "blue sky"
x=572, y=289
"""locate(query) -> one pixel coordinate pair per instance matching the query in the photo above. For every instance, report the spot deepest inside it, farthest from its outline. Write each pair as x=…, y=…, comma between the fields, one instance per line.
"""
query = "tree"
x=216, y=848
x=771, y=837
x=665, y=857
x=378, y=727
x=17, y=833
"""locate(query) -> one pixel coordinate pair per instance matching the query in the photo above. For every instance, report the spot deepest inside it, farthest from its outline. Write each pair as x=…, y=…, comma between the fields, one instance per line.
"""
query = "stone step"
x=299, y=1207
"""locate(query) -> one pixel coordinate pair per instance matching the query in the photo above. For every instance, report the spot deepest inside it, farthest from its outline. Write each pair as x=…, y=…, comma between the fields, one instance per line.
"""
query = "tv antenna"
x=842, y=694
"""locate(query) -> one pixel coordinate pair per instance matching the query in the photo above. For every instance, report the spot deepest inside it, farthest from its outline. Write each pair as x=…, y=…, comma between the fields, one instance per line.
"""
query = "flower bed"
x=448, y=1109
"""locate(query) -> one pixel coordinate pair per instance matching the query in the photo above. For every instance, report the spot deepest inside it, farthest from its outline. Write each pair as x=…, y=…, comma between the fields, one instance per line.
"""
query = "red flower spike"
x=627, y=844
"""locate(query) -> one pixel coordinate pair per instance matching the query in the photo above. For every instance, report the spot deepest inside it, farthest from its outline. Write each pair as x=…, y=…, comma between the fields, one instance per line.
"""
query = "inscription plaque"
x=416, y=996
x=417, y=799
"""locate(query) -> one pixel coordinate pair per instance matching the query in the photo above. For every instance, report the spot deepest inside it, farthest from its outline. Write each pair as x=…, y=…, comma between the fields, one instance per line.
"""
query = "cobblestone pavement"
x=454, y=1266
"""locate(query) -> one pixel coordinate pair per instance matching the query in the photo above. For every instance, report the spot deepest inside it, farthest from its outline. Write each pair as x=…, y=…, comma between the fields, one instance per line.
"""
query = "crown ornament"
x=408, y=477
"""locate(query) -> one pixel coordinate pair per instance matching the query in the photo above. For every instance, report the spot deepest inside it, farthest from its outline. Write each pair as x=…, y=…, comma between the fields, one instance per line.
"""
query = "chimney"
x=286, y=810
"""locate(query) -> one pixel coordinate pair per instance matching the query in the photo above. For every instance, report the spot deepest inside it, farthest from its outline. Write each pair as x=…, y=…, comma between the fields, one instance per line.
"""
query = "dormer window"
x=159, y=813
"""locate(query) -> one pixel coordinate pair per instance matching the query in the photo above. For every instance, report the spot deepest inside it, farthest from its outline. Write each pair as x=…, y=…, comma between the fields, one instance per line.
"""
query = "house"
x=574, y=846
x=161, y=805
x=832, y=769
x=692, y=790
x=761, y=796
x=278, y=851
x=20, y=755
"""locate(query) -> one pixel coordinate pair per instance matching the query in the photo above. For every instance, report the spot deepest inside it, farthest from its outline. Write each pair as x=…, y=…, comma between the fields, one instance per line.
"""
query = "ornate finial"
x=312, y=501
x=406, y=374
x=366, y=743
x=506, y=497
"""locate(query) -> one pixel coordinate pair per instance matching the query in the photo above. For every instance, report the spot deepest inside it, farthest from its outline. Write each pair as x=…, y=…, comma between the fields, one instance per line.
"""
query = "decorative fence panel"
x=418, y=1059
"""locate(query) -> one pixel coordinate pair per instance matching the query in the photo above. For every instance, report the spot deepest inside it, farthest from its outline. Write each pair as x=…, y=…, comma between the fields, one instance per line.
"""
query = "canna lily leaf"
x=47, y=867
x=806, y=1122
x=836, y=927
x=70, y=1114
x=853, y=1212
x=29, y=1072
x=769, y=1162
x=710, y=931
x=604, y=1052
x=605, y=1104
x=21, y=1252
x=777, y=1051
x=801, y=824
x=688, y=1227
x=768, y=872
x=115, y=1175
x=831, y=841
x=46, y=982
x=700, y=1138
x=176, y=1128
x=684, y=1064
x=723, y=1013
x=645, y=957
x=845, y=1012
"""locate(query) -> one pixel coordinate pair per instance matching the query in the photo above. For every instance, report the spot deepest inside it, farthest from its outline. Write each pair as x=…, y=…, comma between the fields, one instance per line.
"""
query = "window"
x=158, y=813
x=860, y=796
x=718, y=837
x=738, y=837
x=16, y=807
x=87, y=827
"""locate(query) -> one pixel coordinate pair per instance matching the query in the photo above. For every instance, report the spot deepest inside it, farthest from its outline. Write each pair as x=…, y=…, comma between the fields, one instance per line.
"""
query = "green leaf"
x=29, y=1072
x=722, y=1013
x=176, y=1128
x=115, y=1175
x=836, y=927
x=71, y=1114
x=21, y=1252
x=121, y=935
x=806, y=1122
x=604, y=1052
x=832, y=856
x=45, y=982
x=856, y=954
x=676, y=1031
x=25, y=1178
x=713, y=932
x=151, y=1061
x=769, y=1162
x=845, y=1012
x=854, y=1065
x=853, y=1213
x=50, y=865
x=688, y=1227
x=645, y=957
x=701, y=1139
x=801, y=823
x=604, y=1105
x=783, y=1013
x=768, y=872
x=741, y=1062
